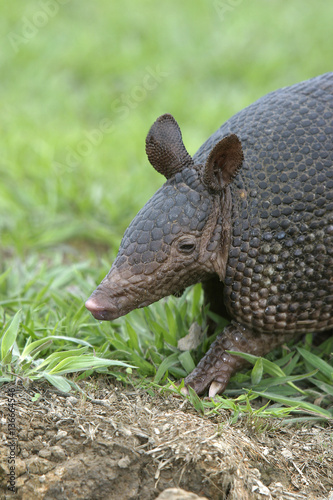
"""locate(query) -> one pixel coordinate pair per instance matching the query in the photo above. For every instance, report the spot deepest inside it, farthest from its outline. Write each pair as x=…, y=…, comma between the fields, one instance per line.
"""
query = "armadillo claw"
x=216, y=367
x=213, y=377
x=184, y=391
x=215, y=388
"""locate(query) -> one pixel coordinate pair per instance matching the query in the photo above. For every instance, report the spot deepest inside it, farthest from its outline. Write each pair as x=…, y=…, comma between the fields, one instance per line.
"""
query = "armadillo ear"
x=223, y=163
x=164, y=147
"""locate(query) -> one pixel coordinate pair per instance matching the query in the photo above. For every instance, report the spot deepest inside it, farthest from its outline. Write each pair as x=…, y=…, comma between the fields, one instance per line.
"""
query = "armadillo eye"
x=186, y=246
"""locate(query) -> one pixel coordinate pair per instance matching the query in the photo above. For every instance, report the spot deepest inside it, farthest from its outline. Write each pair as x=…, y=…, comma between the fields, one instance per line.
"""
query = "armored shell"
x=279, y=274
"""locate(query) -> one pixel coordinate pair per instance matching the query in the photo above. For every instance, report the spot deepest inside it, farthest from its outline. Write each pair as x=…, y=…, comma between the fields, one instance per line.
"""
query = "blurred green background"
x=81, y=83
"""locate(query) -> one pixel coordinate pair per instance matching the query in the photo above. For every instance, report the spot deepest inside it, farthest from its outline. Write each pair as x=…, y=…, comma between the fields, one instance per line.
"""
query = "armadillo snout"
x=99, y=311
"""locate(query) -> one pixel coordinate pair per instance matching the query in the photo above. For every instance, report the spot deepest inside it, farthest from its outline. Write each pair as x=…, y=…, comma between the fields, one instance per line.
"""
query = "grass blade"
x=9, y=337
x=186, y=361
x=82, y=363
x=295, y=403
x=57, y=381
x=317, y=362
x=164, y=366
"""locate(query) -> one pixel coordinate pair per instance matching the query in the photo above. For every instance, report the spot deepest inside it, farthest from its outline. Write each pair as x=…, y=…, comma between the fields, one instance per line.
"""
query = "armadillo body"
x=250, y=216
x=279, y=274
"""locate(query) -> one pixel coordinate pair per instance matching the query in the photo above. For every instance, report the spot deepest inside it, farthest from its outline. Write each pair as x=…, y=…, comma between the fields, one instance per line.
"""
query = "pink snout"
x=99, y=311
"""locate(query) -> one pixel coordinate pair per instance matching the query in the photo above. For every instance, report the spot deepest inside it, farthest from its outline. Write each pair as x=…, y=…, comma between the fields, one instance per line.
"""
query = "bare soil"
x=126, y=444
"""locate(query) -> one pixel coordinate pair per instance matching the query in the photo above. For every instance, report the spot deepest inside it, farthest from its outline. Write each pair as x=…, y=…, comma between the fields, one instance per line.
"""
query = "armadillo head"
x=181, y=236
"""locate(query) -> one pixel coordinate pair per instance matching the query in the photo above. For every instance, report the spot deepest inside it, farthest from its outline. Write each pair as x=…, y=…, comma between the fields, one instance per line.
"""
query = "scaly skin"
x=279, y=274
x=250, y=216
x=216, y=367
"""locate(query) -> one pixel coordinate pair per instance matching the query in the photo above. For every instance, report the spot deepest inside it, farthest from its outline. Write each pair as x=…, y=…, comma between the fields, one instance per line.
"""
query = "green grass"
x=81, y=83
x=48, y=334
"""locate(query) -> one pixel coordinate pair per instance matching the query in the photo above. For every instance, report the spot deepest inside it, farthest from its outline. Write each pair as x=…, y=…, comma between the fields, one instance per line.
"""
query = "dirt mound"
x=125, y=444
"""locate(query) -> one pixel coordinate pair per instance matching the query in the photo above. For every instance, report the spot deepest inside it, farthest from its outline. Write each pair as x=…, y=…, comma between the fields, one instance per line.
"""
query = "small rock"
x=20, y=466
x=287, y=453
x=71, y=400
x=60, y=435
x=45, y=453
x=124, y=462
x=58, y=453
x=38, y=465
x=124, y=430
x=192, y=339
x=261, y=489
x=178, y=494
x=276, y=488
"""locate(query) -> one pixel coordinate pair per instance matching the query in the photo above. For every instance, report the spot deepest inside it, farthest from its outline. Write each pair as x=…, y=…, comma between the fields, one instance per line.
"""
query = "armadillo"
x=250, y=216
